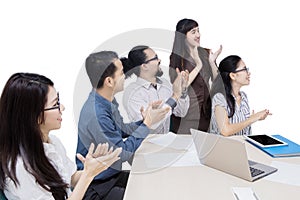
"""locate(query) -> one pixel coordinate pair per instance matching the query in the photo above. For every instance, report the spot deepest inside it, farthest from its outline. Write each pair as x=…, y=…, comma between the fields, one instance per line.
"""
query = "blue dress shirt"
x=100, y=121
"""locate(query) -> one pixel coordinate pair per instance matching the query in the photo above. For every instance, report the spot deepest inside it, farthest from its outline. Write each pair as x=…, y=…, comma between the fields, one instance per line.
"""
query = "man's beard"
x=159, y=72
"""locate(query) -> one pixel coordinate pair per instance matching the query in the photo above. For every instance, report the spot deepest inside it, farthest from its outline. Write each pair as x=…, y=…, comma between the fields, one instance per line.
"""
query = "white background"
x=53, y=38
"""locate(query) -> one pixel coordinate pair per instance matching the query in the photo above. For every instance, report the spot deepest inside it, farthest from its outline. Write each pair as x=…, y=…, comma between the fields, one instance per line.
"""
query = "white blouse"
x=28, y=188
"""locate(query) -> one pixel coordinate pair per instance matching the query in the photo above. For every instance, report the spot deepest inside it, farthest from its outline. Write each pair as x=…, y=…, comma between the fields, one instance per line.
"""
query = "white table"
x=198, y=182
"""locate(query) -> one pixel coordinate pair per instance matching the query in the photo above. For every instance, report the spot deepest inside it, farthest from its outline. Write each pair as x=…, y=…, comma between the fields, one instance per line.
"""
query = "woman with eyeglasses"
x=34, y=164
x=230, y=109
x=187, y=54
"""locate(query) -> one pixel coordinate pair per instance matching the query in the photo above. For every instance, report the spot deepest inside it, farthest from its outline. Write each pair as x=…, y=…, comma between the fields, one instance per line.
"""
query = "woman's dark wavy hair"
x=136, y=57
x=21, y=110
x=222, y=83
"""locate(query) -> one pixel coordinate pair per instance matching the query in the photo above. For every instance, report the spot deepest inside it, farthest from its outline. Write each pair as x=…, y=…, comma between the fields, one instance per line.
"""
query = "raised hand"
x=157, y=104
x=195, y=56
x=184, y=80
x=260, y=115
x=177, y=85
x=153, y=115
x=214, y=55
x=100, y=159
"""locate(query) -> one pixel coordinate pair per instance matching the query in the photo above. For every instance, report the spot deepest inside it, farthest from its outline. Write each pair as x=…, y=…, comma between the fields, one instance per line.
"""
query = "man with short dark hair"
x=100, y=121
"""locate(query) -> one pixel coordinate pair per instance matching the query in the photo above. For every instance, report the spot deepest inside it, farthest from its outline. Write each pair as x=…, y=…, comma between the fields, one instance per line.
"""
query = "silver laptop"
x=228, y=155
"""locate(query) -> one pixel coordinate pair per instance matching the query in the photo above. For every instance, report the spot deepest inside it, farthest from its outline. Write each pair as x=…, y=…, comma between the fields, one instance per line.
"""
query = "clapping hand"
x=195, y=56
x=180, y=84
x=261, y=115
x=154, y=113
x=214, y=55
x=184, y=80
x=100, y=159
x=155, y=104
x=177, y=85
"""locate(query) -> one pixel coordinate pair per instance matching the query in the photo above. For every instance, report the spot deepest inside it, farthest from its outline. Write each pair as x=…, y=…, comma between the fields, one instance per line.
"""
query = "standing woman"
x=34, y=164
x=230, y=108
x=201, y=63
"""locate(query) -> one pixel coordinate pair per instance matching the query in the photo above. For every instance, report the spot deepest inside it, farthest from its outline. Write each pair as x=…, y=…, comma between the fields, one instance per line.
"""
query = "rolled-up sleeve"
x=182, y=107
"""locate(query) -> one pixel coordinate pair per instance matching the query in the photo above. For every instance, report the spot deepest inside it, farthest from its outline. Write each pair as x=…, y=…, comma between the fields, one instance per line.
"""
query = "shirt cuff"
x=141, y=132
x=171, y=102
x=184, y=93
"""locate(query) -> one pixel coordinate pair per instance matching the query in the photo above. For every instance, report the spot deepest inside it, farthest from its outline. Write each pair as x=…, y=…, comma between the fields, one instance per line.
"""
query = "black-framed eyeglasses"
x=55, y=107
x=154, y=58
x=240, y=70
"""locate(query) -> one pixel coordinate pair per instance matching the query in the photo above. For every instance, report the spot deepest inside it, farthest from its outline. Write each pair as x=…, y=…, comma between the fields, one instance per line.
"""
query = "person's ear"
x=108, y=81
x=232, y=76
x=144, y=67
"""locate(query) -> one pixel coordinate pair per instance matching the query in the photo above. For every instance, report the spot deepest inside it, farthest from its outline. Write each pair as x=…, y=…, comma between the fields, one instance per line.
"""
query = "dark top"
x=100, y=121
x=199, y=112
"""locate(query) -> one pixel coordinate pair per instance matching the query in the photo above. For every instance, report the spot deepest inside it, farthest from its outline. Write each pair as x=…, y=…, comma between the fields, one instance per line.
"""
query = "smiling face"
x=52, y=112
x=193, y=37
x=241, y=75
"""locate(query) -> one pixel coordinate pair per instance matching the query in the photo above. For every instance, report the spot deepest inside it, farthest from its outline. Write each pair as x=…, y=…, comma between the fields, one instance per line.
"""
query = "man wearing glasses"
x=150, y=86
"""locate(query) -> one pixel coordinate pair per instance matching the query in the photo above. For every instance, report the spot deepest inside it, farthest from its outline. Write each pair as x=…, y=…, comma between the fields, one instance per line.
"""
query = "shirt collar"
x=99, y=99
x=243, y=96
x=50, y=146
x=146, y=84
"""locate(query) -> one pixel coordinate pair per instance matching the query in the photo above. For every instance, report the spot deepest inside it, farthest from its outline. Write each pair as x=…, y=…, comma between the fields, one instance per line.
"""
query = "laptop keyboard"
x=255, y=172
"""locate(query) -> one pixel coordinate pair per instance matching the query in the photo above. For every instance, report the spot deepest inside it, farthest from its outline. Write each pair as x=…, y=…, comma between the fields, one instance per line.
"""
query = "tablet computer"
x=265, y=140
